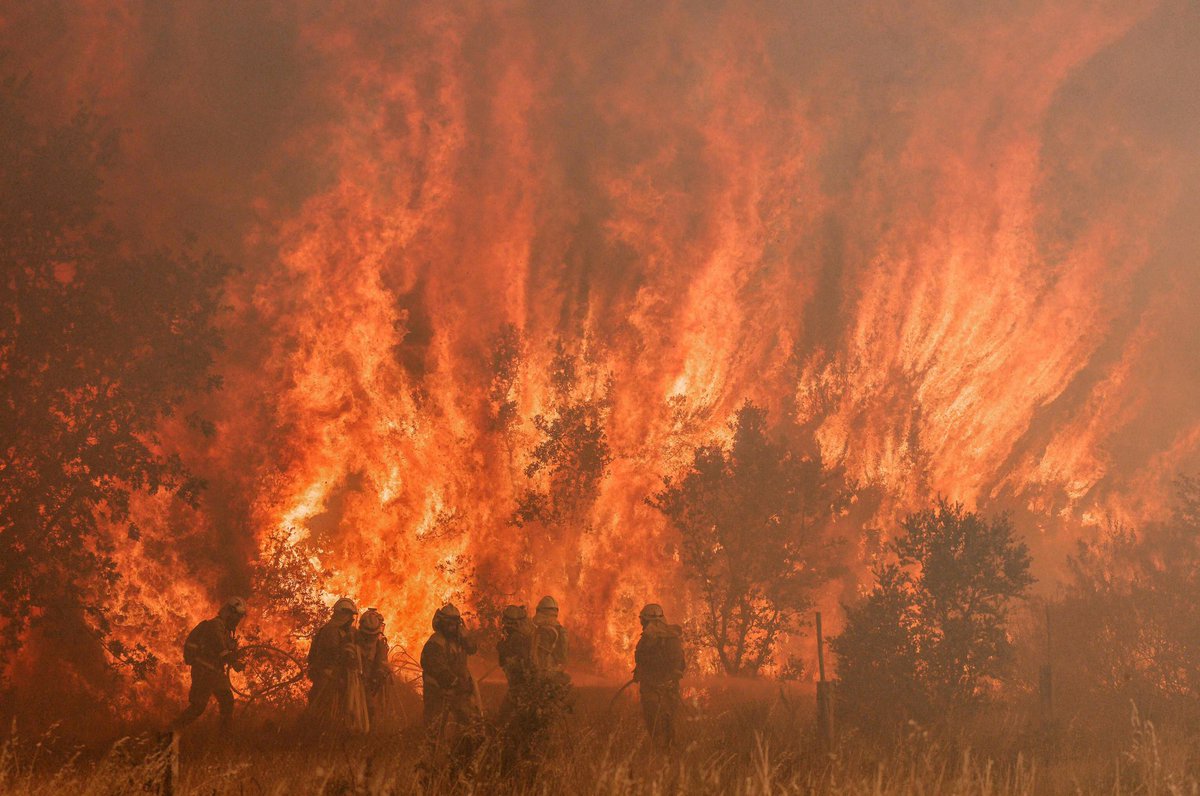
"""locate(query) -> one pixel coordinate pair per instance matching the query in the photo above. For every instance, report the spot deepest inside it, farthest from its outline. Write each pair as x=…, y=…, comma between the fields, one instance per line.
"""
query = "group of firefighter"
x=354, y=689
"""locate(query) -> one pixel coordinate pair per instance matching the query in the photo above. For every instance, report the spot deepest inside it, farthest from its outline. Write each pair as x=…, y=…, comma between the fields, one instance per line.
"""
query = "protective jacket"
x=446, y=679
x=549, y=645
x=208, y=649
x=515, y=651
x=328, y=656
x=658, y=658
x=373, y=649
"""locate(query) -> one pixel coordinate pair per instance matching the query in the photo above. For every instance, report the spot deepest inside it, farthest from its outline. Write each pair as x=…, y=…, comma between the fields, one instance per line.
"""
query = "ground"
x=738, y=738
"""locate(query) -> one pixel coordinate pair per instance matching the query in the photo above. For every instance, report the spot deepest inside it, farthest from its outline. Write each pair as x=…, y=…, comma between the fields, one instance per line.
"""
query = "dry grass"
x=740, y=747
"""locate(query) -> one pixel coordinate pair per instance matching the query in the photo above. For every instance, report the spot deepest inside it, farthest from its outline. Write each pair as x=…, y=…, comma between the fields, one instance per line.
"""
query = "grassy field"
x=738, y=741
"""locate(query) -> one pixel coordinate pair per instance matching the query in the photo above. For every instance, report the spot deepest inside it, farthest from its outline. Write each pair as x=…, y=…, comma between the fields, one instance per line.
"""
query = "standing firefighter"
x=549, y=662
x=451, y=708
x=533, y=655
x=383, y=703
x=658, y=668
x=549, y=639
x=337, y=700
x=211, y=650
x=515, y=650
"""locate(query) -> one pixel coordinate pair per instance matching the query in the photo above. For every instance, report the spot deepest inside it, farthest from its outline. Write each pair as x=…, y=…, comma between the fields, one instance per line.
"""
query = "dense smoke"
x=954, y=242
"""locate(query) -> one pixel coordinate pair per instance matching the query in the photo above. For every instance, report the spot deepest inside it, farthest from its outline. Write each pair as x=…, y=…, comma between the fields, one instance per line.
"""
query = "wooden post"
x=1046, y=676
x=824, y=720
x=820, y=649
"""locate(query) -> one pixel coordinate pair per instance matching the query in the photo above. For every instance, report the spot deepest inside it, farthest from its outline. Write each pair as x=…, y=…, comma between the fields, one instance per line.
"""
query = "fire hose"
x=250, y=694
x=617, y=695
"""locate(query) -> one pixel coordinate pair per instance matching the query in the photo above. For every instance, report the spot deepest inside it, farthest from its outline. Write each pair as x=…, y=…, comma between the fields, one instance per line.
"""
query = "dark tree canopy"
x=1126, y=624
x=98, y=343
x=878, y=658
x=932, y=631
x=751, y=519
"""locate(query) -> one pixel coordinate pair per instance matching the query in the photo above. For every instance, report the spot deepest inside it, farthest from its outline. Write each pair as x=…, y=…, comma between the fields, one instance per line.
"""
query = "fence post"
x=1046, y=676
x=824, y=713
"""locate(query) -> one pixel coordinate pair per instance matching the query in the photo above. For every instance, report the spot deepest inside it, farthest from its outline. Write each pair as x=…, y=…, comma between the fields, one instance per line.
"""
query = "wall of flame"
x=958, y=240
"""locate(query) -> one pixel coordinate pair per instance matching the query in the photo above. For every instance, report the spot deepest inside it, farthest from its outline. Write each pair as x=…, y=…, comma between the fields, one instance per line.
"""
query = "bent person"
x=211, y=650
x=383, y=701
x=337, y=701
x=452, y=712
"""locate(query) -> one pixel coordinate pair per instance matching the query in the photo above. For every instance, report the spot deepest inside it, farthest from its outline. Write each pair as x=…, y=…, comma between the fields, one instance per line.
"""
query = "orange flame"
x=941, y=238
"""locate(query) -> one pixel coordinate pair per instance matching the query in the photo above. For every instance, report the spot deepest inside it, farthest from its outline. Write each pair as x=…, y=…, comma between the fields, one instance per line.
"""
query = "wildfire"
x=897, y=227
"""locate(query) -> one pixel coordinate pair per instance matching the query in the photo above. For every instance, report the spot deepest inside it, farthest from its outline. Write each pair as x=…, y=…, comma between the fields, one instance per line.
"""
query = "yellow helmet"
x=514, y=613
x=651, y=612
x=446, y=617
x=371, y=621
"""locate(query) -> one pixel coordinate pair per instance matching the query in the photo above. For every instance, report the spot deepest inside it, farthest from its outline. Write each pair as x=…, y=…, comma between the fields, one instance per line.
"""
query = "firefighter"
x=533, y=654
x=450, y=701
x=658, y=667
x=380, y=683
x=515, y=650
x=453, y=720
x=337, y=699
x=550, y=639
x=211, y=649
x=549, y=662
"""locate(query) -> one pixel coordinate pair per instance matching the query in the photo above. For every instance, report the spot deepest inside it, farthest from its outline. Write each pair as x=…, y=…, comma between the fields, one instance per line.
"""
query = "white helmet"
x=234, y=606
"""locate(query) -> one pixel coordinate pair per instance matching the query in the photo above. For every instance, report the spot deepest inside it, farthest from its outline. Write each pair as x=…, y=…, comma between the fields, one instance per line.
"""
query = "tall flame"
x=953, y=240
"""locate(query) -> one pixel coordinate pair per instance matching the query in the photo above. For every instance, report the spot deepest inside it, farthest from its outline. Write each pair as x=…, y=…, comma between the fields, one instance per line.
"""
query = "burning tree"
x=97, y=346
x=932, y=630
x=571, y=456
x=751, y=520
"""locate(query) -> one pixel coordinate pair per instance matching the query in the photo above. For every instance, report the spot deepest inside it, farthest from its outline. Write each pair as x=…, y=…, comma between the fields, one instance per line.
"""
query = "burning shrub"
x=931, y=632
x=1127, y=624
x=751, y=518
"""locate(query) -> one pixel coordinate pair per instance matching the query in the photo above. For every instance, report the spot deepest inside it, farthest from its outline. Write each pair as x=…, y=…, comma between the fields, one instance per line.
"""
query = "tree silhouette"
x=932, y=630
x=878, y=657
x=1126, y=623
x=751, y=519
x=98, y=343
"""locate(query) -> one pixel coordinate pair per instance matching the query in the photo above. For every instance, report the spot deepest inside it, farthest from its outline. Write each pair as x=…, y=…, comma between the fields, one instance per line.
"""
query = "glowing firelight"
x=901, y=240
